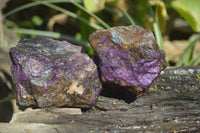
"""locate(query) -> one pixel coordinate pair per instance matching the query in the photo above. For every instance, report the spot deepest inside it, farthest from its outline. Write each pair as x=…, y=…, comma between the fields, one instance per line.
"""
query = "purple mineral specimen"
x=128, y=57
x=48, y=72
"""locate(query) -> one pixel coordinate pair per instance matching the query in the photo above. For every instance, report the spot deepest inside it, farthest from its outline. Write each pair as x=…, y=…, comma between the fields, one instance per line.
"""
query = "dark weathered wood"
x=171, y=105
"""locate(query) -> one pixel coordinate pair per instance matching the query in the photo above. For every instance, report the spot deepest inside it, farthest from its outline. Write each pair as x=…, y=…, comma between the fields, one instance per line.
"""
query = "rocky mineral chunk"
x=129, y=58
x=53, y=73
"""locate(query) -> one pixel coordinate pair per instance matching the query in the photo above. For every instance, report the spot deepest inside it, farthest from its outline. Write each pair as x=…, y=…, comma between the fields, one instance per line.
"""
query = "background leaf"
x=190, y=10
x=94, y=5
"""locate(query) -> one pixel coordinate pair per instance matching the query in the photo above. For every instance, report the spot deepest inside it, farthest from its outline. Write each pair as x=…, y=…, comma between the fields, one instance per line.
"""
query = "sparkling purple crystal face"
x=128, y=56
x=53, y=73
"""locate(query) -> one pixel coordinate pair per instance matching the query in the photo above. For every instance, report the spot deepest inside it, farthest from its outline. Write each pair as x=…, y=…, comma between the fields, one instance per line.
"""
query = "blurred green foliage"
x=150, y=14
x=189, y=9
x=37, y=21
x=94, y=5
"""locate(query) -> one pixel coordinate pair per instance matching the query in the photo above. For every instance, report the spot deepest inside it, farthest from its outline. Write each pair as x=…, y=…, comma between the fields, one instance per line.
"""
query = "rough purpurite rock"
x=128, y=57
x=53, y=73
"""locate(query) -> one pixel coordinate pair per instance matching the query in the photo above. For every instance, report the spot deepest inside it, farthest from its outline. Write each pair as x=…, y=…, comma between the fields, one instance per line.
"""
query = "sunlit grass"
x=186, y=57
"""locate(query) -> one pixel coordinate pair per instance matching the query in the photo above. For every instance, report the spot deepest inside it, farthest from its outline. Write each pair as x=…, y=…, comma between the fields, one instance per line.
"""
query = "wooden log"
x=171, y=105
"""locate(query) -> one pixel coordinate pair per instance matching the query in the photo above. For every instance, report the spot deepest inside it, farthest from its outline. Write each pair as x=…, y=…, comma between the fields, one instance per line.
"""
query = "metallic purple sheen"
x=48, y=72
x=128, y=57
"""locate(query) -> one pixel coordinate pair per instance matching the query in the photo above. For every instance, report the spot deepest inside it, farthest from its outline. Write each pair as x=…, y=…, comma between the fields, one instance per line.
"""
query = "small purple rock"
x=48, y=72
x=128, y=57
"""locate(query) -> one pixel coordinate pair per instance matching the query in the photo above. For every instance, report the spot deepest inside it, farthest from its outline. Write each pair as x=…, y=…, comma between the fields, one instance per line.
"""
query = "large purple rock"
x=128, y=57
x=53, y=73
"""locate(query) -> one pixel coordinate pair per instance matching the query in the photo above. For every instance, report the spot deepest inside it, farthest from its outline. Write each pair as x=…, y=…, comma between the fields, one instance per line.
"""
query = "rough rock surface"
x=53, y=73
x=128, y=56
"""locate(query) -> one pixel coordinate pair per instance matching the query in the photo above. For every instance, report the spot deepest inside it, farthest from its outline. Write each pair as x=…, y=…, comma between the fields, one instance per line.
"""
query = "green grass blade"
x=61, y=1
x=191, y=43
x=91, y=14
x=49, y=34
x=47, y=3
x=125, y=14
x=25, y=6
x=93, y=25
x=111, y=11
x=54, y=35
x=156, y=29
x=196, y=60
x=189, y=55
x=31, y=4
x=9, y=98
